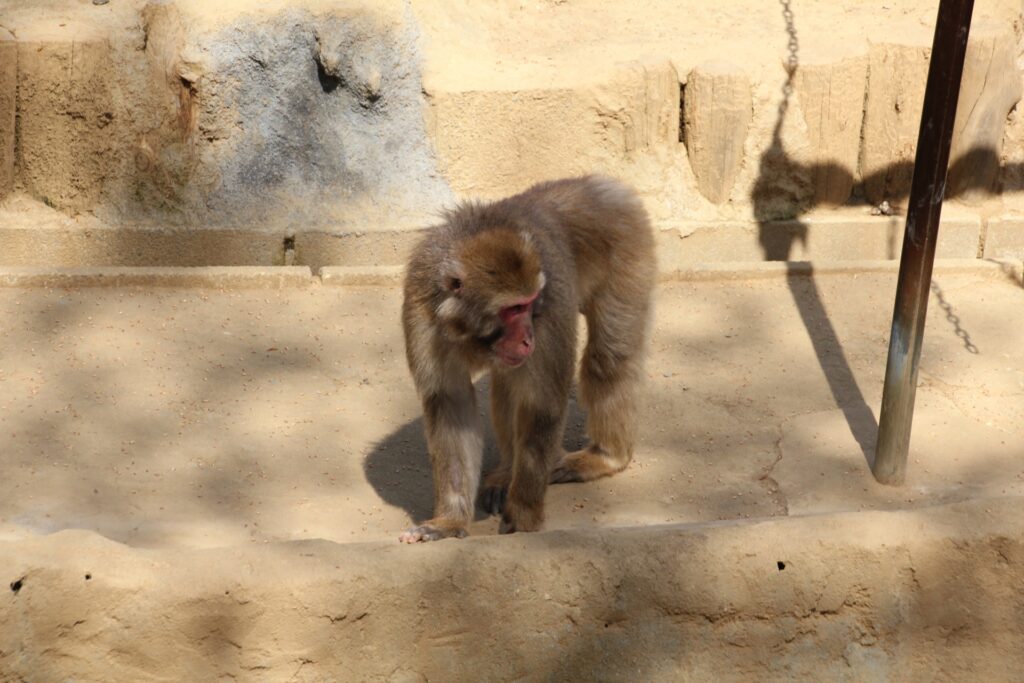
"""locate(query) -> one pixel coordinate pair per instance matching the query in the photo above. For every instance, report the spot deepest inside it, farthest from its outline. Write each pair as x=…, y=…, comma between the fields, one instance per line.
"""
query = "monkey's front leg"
x=495, y=486
x=455, y=442
x=538, y=444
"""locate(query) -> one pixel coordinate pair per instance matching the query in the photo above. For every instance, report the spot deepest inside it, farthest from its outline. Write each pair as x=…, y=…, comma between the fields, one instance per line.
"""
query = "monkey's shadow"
x=398, y=467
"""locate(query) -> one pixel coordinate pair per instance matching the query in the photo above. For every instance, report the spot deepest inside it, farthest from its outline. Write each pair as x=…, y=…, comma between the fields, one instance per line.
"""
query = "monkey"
x=499, y=287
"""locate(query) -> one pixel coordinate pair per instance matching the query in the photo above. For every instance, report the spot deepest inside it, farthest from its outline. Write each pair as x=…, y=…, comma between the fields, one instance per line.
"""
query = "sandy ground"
x=203, y=417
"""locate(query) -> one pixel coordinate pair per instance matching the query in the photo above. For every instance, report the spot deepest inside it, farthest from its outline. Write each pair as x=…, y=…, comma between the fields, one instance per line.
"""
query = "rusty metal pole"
x=925, y=205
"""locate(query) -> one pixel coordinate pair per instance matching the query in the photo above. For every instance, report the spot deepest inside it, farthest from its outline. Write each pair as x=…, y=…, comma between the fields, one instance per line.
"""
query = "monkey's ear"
x=452, y=283
x=452, y=277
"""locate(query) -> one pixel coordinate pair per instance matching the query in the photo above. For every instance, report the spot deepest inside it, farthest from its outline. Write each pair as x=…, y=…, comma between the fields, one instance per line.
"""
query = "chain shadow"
x=780, y=177
x=953, y=319
x=785, y=188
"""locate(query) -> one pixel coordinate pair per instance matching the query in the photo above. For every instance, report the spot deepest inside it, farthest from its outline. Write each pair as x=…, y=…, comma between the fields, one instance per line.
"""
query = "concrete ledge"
x=379, y=248
x=839, y=236
x=211, y=276
x=843, y=235
x=766, y=270
x=859, y=596
x=362, y=275
x=391, y=276
x=136, y=246
x=1005, y=238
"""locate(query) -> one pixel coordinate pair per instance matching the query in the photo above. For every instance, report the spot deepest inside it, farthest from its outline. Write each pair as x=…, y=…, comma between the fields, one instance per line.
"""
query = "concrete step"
x=44, y=238
x=235, y=277
x=862, y=596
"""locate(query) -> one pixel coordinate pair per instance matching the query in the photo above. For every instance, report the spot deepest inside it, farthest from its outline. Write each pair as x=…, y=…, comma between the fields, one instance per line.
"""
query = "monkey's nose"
x=527, y=343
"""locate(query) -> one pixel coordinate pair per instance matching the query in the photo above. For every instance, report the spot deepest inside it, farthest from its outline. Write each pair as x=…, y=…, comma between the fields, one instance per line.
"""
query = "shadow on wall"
x=782, y=193
x=785, y=188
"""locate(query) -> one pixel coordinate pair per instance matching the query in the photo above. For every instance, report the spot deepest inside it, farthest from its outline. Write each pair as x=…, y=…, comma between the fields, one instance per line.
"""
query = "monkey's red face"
x=500, y=330
x=491, y=293
x=516, y=344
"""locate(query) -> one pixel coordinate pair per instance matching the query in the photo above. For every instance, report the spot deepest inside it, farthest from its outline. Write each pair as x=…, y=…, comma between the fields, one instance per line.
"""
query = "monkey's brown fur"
x=580, y=245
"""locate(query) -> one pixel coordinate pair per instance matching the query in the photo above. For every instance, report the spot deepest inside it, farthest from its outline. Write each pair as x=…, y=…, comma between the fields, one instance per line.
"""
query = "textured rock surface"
x=67, y=118
x=292, y=118
x=990, y=88
x=892, y=118
x=716, y=116
x=870, y=596
x=353, y=117
x=8, y=90
x=831, y=98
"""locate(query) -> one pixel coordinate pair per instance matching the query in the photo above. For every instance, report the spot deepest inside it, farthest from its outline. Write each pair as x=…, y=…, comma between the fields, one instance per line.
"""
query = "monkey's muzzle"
x=516, y=345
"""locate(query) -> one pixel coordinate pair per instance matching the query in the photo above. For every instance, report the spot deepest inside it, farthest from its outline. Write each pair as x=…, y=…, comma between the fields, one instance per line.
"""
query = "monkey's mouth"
x=512, y=361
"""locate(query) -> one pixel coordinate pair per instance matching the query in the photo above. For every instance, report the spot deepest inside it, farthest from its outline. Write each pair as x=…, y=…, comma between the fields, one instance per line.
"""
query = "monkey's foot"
x=519, y=518
x=433, y=530
x=593, y=462
x=492, y=499
x=495, y=491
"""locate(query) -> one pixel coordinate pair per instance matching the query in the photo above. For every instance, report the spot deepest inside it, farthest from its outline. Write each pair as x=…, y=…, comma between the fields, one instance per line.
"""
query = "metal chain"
x=793, y=46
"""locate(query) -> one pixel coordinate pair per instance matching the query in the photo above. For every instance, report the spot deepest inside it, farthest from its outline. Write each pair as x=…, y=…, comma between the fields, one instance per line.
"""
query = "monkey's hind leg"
x=611, y=377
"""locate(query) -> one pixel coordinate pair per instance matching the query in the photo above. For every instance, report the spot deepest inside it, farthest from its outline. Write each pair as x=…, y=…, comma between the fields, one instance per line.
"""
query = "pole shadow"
x=782, y=181
x=785, y=188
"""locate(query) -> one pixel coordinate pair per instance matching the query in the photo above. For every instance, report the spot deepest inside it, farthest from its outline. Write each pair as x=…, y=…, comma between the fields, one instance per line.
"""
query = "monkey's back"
x=593, y=229
x=605, y=227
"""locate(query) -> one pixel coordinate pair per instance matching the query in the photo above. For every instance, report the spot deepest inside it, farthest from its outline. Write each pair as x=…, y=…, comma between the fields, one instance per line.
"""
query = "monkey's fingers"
x=430, y=532
x=492, y=499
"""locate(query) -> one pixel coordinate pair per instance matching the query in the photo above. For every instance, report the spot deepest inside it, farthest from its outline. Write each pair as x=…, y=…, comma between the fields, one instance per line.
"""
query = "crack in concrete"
x=767, y=479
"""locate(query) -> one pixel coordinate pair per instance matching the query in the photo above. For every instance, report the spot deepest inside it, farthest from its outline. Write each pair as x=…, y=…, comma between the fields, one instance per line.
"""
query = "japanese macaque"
x=499, y=287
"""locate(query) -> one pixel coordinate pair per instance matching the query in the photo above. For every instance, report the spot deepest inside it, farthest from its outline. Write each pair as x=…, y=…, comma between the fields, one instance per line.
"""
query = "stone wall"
x=342, y=118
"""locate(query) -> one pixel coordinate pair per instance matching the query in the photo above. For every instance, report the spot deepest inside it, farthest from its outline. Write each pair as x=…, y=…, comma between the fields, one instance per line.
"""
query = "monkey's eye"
x=491, y=337
x=517, y=309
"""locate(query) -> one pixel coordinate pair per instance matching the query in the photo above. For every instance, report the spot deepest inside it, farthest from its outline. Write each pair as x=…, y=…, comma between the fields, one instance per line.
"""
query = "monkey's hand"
x=433, y=530
x=492, y=499
x=495, y=491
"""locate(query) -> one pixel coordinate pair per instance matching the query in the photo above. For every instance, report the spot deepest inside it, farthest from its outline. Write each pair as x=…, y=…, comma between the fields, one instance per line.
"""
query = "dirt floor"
x=164, y=417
